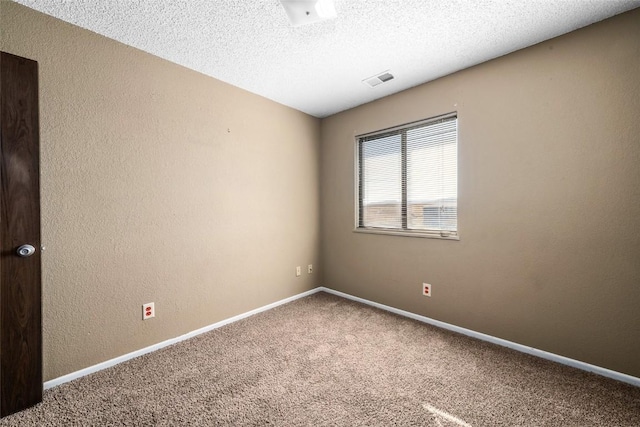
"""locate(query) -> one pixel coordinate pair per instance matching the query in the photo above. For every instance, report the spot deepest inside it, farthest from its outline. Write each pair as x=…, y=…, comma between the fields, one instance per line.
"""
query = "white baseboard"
x=504, y=343
x=109, y=363
x=484, y=337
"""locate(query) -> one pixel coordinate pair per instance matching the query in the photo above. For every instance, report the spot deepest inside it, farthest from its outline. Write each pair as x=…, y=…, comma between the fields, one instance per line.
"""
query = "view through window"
x=407, y=178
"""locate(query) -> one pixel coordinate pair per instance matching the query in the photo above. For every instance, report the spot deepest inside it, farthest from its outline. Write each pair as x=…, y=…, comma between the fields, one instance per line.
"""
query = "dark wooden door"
x=20, y=276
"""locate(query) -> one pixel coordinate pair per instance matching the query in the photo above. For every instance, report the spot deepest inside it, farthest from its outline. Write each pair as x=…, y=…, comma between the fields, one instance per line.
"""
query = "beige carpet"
x=323, y=361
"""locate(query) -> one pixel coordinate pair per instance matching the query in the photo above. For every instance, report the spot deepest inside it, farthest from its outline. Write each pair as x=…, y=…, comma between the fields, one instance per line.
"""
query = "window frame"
x=430, y=234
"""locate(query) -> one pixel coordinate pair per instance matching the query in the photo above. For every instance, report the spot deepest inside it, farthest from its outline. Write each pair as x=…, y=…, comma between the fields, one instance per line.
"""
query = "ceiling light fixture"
x=302, y=12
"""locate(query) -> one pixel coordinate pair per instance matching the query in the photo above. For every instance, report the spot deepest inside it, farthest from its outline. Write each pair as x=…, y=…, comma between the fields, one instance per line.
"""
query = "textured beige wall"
x=549, y=200
x=159, y=184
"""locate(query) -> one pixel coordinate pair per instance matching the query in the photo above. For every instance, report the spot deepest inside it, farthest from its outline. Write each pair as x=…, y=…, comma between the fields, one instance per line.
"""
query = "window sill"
x=392, y=232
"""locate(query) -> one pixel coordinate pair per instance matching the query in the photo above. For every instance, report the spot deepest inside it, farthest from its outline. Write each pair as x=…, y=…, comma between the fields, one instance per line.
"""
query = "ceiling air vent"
x=378, y=79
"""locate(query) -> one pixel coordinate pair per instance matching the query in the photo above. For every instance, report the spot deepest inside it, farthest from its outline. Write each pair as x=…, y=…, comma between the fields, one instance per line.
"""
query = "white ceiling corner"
x=319, y=68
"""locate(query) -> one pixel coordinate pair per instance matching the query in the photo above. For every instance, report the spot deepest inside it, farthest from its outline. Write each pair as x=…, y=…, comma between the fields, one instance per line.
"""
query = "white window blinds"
x=407, y=178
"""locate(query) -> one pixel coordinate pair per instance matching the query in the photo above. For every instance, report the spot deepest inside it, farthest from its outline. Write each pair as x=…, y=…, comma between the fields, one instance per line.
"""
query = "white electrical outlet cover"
x=148, y=311
x=427, y=290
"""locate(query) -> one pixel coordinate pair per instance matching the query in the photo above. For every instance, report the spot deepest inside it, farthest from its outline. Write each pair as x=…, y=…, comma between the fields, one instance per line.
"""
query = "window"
x=408, y=179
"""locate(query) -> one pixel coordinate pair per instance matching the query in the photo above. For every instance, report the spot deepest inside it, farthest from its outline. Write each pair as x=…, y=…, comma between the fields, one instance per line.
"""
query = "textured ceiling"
x=319, y=68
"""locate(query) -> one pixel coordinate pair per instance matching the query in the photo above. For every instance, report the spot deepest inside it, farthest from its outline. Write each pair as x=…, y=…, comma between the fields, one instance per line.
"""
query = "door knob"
x=26, y=250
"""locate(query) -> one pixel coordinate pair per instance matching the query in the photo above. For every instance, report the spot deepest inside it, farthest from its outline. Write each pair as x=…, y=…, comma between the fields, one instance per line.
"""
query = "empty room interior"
x=401, y=213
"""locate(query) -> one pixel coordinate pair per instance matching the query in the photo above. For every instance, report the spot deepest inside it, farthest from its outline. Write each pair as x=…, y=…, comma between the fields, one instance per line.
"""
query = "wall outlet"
x=310, y=268
x=426, y=289
x=148, y=311
x=298, y=271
